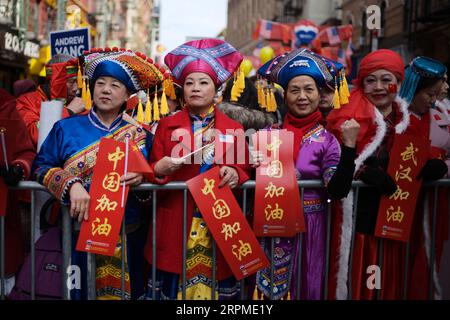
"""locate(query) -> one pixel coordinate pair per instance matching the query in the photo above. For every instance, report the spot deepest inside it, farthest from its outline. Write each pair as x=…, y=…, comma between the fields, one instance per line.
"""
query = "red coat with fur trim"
x=169, y=217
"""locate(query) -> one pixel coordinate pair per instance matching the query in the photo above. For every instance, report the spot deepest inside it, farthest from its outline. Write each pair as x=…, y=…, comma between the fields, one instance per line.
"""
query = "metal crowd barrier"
x=304, y=184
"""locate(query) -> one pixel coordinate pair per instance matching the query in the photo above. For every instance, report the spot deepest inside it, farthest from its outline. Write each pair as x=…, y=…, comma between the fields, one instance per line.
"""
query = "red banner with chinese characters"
x=101, y=232
x=227, y=224
x=3, y=197
x=278, y=211
x=396, y=213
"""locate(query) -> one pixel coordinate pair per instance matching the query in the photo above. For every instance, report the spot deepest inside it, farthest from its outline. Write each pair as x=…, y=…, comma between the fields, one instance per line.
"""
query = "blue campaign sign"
x=72, y=42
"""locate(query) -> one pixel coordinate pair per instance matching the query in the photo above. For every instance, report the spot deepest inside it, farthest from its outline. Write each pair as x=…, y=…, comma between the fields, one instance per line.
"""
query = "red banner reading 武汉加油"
x=278, y=211
x=395, y=216
x=227, y=224
x=101, y=232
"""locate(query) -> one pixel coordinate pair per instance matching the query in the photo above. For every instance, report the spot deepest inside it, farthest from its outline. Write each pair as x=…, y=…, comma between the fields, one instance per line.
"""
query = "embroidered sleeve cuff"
x=328, y=174
x=58, y=182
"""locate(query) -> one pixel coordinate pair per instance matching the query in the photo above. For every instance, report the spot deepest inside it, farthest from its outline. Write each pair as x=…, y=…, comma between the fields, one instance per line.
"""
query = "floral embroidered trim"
x=56, y=181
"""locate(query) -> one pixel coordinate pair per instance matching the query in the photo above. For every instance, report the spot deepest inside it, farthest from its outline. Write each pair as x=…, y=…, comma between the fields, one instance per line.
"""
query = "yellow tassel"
x=148, y=110
x=336, y=103
x=261, y=96
x=255, y=294
x=156, y=107
x=88, y=98
x=234, y=92
x=241, y=82
x=164, y=106
x=170, y=89
x=345, y=86
x=266, y=100
x=288, y=295
x=79, y=77
x=140, y=112
x=83, y=92
x=273, y=101
x=342, y=96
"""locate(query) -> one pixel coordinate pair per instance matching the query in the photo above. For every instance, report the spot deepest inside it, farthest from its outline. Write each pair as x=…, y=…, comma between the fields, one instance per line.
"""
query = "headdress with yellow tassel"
x=83, y=83
x=139, y=72
x=266, y=95
x=238, y=86
x=341, y=91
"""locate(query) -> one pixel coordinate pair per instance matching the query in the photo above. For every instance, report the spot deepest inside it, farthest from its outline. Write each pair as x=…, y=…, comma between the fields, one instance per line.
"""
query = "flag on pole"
x=333, y=36
x=271, y=30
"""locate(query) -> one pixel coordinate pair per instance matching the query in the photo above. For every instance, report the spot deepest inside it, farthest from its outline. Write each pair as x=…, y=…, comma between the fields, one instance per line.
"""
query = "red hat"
x=215, y=57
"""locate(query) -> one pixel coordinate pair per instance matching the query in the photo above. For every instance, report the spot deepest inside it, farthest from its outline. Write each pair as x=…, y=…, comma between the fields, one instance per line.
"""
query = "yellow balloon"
x=266, y=54
x=246, y=67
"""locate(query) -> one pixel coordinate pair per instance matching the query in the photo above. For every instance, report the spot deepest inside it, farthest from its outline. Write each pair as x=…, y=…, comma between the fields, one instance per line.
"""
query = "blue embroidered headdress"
x=420, y=68
x=300, y=62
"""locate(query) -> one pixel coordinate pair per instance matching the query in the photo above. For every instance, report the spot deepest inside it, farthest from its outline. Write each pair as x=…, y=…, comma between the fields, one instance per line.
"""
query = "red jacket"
x=29, y=107
x=169, y=217
x=22, y=153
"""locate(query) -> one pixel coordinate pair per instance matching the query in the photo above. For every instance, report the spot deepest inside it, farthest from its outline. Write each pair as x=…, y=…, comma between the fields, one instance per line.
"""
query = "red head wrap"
x=381, y=59
x=359, y=107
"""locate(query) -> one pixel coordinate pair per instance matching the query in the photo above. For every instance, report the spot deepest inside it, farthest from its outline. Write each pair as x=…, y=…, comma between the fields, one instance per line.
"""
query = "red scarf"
x=300, y=127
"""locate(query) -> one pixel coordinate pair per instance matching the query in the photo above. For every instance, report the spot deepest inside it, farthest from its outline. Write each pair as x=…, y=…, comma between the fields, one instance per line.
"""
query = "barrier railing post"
x=183, y=293
x=432, y=245
x=327, y=251
x=123, y=252
x=214, y=264
x=380, y=262
x=66, y=251
x=2, y=258
x=244, y=210
x=272, y=248
x=300, y=253
x=154, y=245
x=32, y=247
x=91, y=272
x=405, y=276
x=352, y=244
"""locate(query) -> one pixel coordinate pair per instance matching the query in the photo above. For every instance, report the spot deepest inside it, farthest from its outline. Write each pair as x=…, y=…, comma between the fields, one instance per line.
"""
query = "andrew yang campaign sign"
x=72, y=42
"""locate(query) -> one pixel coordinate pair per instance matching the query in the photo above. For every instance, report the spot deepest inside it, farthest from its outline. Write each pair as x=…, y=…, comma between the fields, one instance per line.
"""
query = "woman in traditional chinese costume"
x=374, y=103
x=423, y=81
x=200, y=67
x=67, y=158
x=317, y=155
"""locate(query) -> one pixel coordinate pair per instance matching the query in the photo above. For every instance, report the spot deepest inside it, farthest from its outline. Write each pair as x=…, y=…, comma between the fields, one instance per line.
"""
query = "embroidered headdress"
x=419, y=69
x=134, y=69
x=215, y=57
x=299, y=62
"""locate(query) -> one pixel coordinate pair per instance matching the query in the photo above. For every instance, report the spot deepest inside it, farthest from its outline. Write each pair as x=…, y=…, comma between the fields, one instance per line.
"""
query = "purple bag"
x=48, y=270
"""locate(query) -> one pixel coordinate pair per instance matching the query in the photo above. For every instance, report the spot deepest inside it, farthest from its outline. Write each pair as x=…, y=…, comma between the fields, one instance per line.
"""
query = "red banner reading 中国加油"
x=227, y=224
x=278, y=211
x=101, y=232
